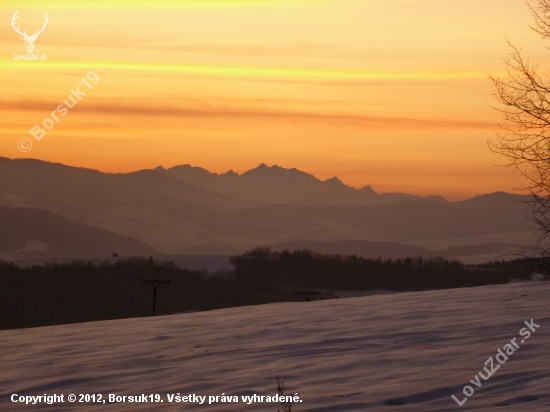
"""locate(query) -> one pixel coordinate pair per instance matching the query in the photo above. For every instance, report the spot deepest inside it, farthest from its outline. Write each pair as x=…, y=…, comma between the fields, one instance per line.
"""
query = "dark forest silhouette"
x=84, y=291
x=304, y=268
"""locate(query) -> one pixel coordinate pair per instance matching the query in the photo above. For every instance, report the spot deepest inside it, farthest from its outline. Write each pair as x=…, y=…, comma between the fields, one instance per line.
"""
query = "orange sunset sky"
x=391, y=93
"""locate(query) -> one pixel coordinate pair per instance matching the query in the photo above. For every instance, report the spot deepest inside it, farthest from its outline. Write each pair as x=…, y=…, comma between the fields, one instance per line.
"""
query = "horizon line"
x=269, y=167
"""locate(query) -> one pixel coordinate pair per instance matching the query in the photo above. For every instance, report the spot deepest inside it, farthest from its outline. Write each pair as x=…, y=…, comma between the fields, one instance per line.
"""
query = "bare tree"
x=523, y=96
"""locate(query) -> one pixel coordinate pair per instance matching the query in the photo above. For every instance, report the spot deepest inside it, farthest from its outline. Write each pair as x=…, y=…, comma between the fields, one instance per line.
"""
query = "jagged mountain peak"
x=264, y=171
x=334, y=181
x=275, y=184
x=368, y=189
x=230, y=173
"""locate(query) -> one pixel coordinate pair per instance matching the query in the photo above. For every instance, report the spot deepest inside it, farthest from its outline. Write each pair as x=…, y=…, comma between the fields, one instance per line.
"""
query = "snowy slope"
x=397, y=352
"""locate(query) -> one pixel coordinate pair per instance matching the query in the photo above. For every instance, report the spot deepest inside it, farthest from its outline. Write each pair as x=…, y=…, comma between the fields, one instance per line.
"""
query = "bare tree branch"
x=523, y=97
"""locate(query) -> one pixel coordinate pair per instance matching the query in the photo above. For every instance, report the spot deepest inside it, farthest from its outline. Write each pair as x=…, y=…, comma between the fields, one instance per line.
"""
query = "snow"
x=394, y=352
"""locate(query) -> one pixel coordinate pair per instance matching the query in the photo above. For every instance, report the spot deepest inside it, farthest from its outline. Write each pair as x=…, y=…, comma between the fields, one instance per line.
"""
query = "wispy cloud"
x=124, y=109
x=247, y=71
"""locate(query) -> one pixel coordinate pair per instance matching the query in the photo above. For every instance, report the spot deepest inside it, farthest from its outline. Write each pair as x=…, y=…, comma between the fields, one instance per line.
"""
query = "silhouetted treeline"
x=80, y=291
x=305, y=269
x=522, y=268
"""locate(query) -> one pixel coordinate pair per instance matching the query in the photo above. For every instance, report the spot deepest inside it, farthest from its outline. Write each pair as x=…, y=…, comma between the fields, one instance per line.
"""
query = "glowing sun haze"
x=391, y=93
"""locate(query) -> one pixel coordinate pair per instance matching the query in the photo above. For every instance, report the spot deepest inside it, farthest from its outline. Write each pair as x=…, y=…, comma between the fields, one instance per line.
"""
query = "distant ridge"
x=188, y=210
x=391, y=250
x=278, y=185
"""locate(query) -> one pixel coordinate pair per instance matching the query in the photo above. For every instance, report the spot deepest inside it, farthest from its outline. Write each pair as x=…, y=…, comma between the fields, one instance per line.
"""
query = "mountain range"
x=187, y=210
x=276, y=185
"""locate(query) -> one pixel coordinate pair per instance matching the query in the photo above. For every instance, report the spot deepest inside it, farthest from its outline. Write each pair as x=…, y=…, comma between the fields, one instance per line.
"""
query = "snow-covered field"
x=396, y=352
